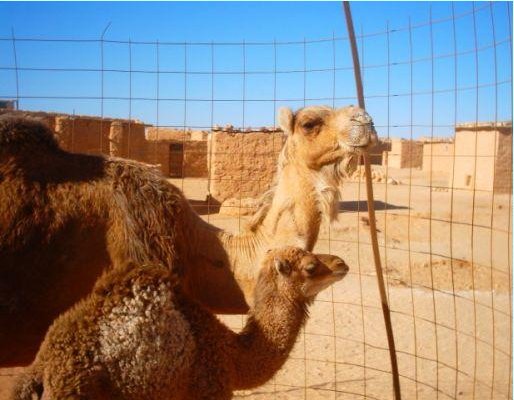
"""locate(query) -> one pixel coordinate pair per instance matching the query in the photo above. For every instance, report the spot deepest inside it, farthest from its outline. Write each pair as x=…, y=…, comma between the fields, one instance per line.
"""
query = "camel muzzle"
x=340, y=268
x=362, y=132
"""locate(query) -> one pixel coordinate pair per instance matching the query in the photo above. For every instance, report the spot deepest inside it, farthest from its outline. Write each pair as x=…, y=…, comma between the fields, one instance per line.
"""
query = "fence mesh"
x=442, y=107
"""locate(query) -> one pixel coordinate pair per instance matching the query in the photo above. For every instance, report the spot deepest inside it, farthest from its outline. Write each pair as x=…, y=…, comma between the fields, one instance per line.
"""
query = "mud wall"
x=179, y=135
x=404, y=154
x=243, y=164
x=195, y=159
x=438, y=156
x=483, y=156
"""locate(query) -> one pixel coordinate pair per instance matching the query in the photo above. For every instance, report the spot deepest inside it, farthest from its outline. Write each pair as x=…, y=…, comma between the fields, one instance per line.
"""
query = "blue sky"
x=215, y=79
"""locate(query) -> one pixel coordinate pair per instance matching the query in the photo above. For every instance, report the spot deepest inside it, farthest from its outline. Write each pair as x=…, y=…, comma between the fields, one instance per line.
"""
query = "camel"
x=137, y=336
x=56, y=206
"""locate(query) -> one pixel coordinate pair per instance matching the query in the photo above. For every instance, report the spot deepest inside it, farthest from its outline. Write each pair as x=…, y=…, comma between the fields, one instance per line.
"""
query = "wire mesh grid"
x=443, y=201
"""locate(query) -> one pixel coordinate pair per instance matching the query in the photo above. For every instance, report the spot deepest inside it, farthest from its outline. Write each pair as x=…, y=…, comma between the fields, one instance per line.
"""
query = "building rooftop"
x=483, y=125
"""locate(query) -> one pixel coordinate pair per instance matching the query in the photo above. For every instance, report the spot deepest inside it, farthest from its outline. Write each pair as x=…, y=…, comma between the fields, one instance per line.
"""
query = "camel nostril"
x=341, y=268
x=362, y=117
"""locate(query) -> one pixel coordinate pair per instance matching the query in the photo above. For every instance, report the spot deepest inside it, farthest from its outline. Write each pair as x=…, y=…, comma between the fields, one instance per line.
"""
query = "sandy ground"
x=447, y=260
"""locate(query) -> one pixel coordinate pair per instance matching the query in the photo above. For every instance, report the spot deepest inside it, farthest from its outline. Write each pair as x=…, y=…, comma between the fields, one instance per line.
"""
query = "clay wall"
x=118, y=138
x=83, y=134
x=483, y=156
x=127, y=140
x=243, y=164
x=158, y=153
x=503, y=162
x=199, y=135
x=438, y=156
x=404, y=154
x=185, y=159
x=195, y=159
x=179, y=135
x=377, y=152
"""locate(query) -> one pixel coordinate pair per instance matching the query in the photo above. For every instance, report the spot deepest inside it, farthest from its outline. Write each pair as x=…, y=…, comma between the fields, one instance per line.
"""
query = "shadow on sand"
x=208, y=207
x=362, y=206
x=205, y=207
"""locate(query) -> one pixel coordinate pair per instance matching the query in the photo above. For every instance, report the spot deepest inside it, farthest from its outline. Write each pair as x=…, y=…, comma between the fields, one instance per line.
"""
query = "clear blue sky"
x=75, y=82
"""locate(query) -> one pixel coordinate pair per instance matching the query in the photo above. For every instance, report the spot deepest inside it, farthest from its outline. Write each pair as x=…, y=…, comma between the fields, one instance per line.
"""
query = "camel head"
x=298, y=274
x=316, y=131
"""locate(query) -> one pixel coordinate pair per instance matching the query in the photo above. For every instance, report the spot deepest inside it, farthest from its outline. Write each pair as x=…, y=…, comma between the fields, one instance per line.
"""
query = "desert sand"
x=447, y=261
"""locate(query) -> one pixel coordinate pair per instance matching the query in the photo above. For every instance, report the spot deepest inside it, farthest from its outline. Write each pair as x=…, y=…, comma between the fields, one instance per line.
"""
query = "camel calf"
x=137, y=336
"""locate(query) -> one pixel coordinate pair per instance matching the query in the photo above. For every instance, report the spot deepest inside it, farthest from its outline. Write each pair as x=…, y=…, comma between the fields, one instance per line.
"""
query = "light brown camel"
x=57, y=206
x=138, y=337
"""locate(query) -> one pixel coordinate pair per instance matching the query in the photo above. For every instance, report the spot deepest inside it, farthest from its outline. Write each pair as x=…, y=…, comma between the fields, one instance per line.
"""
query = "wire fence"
x=442, y=194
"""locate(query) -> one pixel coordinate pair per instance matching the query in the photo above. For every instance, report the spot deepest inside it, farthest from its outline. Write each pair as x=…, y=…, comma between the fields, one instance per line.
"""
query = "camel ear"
x=282, y=266
x=286, y=120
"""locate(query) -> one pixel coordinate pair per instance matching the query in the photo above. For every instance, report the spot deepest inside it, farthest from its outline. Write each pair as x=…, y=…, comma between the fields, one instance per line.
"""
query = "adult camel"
x=65, y=218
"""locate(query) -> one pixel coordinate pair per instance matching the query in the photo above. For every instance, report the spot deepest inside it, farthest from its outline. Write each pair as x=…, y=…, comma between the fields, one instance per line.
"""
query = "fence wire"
x=443, y=215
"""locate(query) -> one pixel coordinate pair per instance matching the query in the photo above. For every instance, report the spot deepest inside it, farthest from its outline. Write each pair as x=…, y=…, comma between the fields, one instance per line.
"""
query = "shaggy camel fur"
x=57, y=206
x=138, y=337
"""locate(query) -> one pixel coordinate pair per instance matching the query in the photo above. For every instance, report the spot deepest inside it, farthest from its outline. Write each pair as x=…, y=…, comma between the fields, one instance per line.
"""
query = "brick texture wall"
x=483, y=156
x=503, y=165
x=243, y=164
x=438, y=156
x=404, y=154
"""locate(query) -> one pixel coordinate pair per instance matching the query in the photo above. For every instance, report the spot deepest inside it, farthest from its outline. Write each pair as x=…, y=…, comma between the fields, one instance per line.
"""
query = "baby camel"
x=138, y=337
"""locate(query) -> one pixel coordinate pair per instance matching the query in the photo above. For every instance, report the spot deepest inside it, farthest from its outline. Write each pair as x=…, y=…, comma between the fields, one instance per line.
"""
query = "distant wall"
x=118, y=138
x=378, y=152
x=483, y=156
x=195, y=159
x=438, y=156
x=243, y=164
x=127, y=140
x=503, y=164
x=184, y=159
x=158, y=153
x=157, y=133
x=94, y=135
x=404, y=154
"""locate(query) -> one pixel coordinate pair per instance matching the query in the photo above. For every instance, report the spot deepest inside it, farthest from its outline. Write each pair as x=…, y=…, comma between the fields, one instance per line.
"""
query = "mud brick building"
x=438, y=156
x=483, y=156
x=180, y=153
x=243, y=163
x=404, y=154
x=117, y=138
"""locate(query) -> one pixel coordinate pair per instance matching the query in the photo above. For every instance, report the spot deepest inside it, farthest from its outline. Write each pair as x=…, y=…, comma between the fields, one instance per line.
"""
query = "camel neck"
x=268, y=337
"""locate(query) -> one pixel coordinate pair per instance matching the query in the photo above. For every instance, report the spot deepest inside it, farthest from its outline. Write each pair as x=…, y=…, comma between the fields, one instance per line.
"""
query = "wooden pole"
x=371, y=211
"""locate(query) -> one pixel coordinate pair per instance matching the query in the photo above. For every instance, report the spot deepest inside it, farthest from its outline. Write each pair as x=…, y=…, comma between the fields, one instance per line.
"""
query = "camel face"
x=319, y=128
x=319, y=276
x=303, y=273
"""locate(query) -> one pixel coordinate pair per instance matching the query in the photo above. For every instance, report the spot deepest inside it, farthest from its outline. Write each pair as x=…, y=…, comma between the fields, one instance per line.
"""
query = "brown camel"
x=57, y=206
x=137, y=336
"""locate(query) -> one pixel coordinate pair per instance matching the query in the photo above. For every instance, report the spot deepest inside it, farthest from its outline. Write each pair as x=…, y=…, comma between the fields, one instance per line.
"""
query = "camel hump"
x=21, y=134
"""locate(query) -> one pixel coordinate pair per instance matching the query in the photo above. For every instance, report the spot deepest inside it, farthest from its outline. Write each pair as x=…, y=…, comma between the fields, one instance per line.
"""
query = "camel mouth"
x=340, y=269
x=311, y=289
x=361, y=135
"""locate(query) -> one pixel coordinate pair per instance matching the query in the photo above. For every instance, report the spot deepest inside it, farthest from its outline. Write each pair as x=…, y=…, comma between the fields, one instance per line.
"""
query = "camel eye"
x=311, y=268
x=310, y=124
